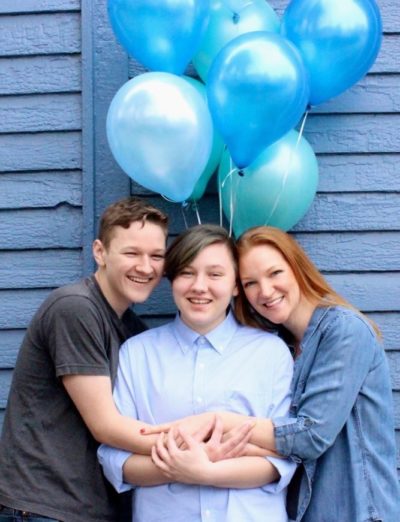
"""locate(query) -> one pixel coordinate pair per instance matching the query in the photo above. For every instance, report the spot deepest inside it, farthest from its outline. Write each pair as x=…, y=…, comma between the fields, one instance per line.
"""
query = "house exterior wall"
x=60, y=66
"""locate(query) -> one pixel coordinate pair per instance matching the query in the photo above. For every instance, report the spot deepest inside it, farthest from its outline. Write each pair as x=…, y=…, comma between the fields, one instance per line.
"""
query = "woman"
x=340, y=428
x=202, y=361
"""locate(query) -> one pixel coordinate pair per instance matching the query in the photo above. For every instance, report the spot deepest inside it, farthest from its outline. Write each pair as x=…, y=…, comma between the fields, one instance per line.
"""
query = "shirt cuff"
x=113, y=460
x=286, y=469
x=285, y=431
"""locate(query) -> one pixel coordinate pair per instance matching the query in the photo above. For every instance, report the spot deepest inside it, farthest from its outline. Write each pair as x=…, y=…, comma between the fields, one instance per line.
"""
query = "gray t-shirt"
x=48, y=457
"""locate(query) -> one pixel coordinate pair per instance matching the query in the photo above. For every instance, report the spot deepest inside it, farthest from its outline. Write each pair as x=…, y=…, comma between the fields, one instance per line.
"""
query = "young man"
x=60, y=404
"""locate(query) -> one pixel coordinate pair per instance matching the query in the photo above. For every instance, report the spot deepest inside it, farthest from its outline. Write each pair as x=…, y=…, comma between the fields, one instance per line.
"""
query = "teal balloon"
x=277, y=189
x=257, y=91
x=216, y=149
x=160, y=133
x=339, y=41
x=161, y=35
x=229, y=19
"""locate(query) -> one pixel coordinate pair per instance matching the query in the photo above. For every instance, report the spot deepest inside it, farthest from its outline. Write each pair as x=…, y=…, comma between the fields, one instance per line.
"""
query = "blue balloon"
x=338, y=39
x=160, y=133
x=216, y=149
x=257, y=91
x=229, y=19
x=277, y=189
x=162, y=36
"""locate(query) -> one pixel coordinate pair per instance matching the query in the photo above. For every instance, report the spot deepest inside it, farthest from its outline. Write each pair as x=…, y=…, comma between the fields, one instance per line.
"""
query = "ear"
x=99, y=251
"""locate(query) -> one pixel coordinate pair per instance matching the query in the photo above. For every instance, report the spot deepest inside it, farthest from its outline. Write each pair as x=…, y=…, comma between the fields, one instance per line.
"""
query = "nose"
x=199, y=283
x=266, y=289
x=144, y=265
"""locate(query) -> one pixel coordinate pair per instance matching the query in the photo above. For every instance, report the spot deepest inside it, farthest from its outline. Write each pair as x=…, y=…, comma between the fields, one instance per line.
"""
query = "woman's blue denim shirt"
x=341, y=425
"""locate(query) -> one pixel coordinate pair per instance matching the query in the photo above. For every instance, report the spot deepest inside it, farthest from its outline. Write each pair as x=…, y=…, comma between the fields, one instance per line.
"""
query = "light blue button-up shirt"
x=171, y=372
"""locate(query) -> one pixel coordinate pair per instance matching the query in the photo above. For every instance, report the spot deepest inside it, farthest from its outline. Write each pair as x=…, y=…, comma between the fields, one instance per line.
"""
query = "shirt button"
x=201, y=366
x=207, y=513
x=199, y=399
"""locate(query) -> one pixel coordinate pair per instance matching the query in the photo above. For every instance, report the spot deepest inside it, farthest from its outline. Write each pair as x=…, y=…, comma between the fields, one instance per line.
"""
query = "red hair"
x=312, y=283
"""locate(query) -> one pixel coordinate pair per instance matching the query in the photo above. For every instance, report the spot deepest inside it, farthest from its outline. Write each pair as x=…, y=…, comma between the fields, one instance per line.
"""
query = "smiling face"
x=132, y=264
x=271, y=287
x=203, y=289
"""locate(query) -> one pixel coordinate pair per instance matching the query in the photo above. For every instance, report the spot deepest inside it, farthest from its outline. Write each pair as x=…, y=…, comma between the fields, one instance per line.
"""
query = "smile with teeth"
x=140, y=280
x=198, y=301
x=273, y=302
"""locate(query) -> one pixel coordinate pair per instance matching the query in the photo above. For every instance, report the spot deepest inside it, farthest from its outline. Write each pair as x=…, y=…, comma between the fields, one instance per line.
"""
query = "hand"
x=188, y=466
x=192, y=424
x=232, y=444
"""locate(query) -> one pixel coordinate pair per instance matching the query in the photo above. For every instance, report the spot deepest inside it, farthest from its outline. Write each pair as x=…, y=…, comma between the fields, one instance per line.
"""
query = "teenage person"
x=340, y=428
x=60, y=402
x=202, y=361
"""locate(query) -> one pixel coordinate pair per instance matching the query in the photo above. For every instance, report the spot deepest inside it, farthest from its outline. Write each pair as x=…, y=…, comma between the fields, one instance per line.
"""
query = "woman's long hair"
x=313, y=286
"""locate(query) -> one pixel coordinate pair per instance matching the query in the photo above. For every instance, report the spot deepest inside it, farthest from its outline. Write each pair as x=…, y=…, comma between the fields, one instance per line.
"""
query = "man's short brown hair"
x=126, y=211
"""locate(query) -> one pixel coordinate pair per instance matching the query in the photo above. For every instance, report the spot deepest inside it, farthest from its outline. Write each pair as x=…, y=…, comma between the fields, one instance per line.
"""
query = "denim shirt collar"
x=316, y=318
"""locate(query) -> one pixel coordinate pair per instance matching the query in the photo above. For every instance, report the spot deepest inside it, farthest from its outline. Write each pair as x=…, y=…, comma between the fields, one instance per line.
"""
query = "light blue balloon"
x=160, y=133
x=161, y=35
x=229, y=19
x=257, y=91
x=338, y=39
x=277, y=189
x=216, y=149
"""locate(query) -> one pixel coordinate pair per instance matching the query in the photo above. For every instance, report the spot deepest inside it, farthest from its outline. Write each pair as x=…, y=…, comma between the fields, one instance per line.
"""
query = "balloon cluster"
x=259, y=76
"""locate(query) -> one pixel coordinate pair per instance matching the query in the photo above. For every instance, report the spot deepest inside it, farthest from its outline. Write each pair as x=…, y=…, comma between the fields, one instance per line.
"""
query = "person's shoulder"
x=346, y=317
x=152, y=337
x=261, y=337
x=69, y=298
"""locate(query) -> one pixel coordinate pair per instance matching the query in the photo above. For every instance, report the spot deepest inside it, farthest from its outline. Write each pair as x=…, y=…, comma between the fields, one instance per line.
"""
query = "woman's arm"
x=193, y=466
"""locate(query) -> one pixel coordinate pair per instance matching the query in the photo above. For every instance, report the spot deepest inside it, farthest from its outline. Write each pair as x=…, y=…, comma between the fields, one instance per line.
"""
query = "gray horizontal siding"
x=40, y=189
x=43, y=151
x=35, y=6
x=25, y=34
x=40, y=74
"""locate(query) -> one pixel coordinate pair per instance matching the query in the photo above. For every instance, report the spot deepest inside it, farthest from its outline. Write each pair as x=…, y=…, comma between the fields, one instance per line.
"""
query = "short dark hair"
x=191, y=242
x=126, y=211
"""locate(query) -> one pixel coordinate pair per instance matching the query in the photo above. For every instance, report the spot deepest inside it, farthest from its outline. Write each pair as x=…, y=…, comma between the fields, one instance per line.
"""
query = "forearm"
x=124, y=433
x=139, y=470
x=242, y=473
x=262, y=434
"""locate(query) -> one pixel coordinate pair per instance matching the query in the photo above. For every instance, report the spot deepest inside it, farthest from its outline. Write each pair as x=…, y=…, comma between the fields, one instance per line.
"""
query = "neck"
x=297, y=325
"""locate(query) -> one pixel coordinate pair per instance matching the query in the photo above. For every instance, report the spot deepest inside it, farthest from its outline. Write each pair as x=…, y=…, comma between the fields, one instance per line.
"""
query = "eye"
x=186, y=273
x=248, y=284
x=158, y=257
x=216, y=275
x=131, y=254
x=277, y=272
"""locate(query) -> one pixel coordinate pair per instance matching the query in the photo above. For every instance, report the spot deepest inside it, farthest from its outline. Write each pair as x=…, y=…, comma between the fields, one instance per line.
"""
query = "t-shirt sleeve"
x=76, y=337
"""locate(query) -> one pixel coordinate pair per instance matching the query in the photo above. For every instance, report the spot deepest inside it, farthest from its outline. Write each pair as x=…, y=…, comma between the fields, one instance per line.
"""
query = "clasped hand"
x=189, y=458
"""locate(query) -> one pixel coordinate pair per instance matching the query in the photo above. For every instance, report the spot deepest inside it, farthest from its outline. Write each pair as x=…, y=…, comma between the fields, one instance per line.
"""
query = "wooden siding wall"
x=59, y=69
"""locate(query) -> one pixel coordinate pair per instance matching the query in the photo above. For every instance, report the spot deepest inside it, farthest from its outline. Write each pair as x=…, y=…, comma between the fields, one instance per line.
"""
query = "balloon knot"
x=241, y=173
x=235, y=18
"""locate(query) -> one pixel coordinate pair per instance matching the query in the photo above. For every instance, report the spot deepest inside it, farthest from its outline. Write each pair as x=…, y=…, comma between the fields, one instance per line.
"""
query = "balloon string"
x=183, y=215
x=196, y=209
x=289, y=164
